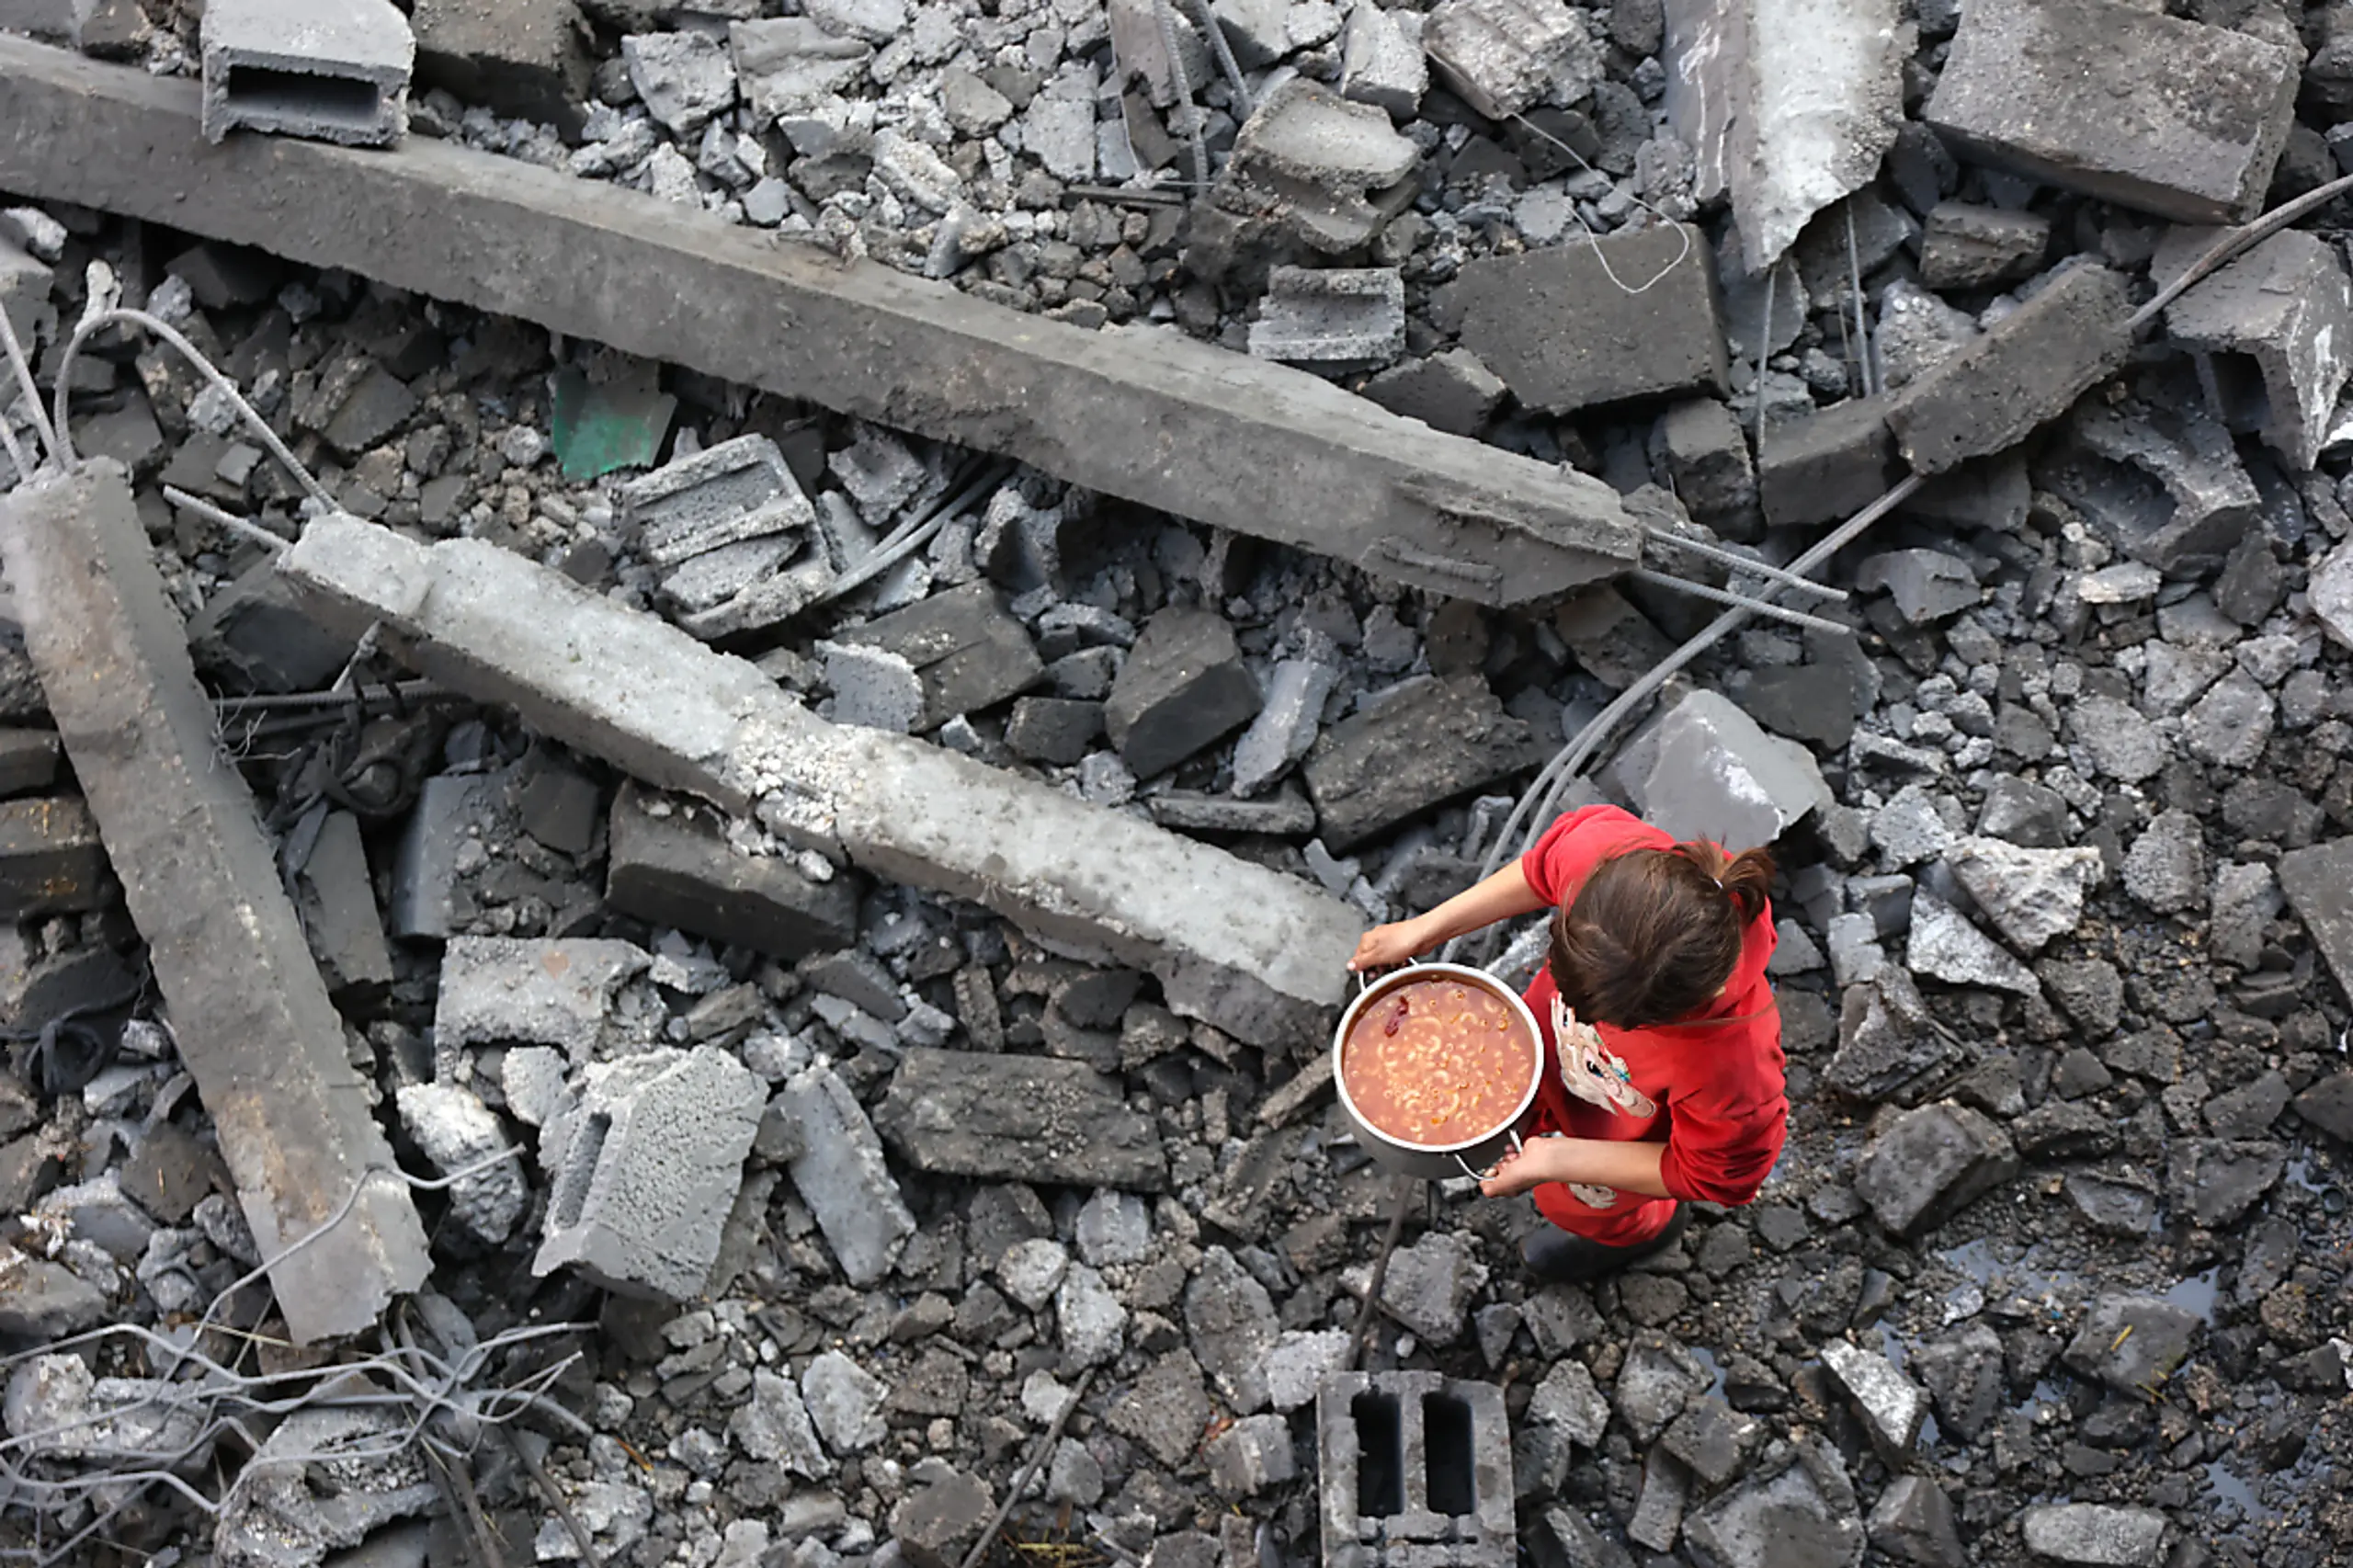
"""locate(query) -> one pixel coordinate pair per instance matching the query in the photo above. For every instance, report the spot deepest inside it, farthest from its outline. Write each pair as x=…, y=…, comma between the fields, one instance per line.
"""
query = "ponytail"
x=1747, y=876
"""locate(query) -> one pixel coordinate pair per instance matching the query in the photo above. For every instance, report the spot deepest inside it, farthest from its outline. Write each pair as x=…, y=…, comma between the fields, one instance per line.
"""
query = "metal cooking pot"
x=1474, y=1158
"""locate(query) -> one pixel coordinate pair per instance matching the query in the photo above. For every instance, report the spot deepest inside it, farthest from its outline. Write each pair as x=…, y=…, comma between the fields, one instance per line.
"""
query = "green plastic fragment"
x=602, y=427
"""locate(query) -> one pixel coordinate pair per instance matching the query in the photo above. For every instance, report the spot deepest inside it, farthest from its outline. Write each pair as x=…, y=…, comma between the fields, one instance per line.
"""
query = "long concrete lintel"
x=251, y=1013
x=1150, y=416
x=1258, y=954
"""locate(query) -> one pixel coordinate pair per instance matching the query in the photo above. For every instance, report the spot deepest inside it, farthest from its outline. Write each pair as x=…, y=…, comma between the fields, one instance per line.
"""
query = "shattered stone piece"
x=737, y=491
x=845, y=1402
x=2283, y=310
x=2213, y=1181
x=787, y=66
x=1502, y=56
x=841, y=1175
x=1658, y=1378
x=283, y=68
x=2032, y=896
x=1335, y=319
x=252, y=1017
x=1091, y=1322
x=1428, y=741
x=1928, y=585
x=1286, y=726
x=1913, y=1522
x=1966, y=247
x=2165, y=867
x=970, y=653
x=1298, y=1361
x=2117, y=741
x=1450, y=391
x=301, y=1500
x=1230, y=1321
x=2025, y=371
x=1142, y=50
x=1563, y=329
x=1707, y=458
x=1031, y=1271
x=1892, y=1404
x=1252, y=1456
x=454, y=1129
x=1615, y=643
x=2095, y=1534
x=2134, y=1343
x=774, y=1427
x=1019, y=1117
x=52, y=860
x=647, y=1162
x=1331, y=172
x=678, y=869
x=2191, y=457
x=1828, y=465
x=1930, y=1163
x=942, y=1515
x=1889, y=1044
x=1705, y=770
x=684, y=78
x=1182, y=686
x=1430, y=1284
x=1568, y=1399
x=1797, y=1505
x=532, y=991
x=336, y=900
x=1380, y=64
x=528, y=58
x=1945, y=945
x=253, y=634
x=2188, y=124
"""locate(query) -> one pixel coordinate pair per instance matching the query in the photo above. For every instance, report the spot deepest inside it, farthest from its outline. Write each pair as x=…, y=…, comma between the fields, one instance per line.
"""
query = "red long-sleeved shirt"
x=1709, y=1087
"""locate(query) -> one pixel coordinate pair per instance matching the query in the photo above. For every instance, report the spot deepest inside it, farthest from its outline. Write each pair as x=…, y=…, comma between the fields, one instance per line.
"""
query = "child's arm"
x=1500, y=897
x=1628, y=1166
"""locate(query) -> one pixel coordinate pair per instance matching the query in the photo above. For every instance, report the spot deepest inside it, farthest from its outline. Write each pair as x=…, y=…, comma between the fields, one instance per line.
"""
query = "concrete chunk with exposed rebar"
x=1145, y=413
x=252, y=1016
x=1260, y=955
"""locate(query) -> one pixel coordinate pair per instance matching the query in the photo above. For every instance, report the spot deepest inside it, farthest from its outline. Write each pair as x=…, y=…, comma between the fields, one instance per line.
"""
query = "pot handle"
x=1364, y=981
x=1517, y=1146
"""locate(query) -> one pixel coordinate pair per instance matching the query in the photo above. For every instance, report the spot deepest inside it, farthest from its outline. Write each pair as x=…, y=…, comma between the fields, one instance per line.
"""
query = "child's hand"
x=1386, y=947
x=1517, y=1172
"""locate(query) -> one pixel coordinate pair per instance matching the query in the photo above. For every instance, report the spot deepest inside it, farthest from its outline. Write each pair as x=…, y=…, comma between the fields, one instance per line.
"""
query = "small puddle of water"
x=2230, y=1489
x=2197, y=1293
x=1715, y=1371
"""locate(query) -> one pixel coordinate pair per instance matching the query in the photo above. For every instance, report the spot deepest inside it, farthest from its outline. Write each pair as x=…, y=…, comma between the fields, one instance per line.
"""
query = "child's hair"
x=1652, y=935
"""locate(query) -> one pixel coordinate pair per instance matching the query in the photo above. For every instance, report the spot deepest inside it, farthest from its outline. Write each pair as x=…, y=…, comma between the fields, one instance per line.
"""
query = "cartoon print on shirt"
x=1593, y=1197
x=1592, y=1072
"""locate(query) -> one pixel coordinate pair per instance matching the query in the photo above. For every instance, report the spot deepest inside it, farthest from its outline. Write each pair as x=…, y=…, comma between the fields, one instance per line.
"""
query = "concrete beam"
x=251, y=1013
x=1258, y=954
x=1150, y=416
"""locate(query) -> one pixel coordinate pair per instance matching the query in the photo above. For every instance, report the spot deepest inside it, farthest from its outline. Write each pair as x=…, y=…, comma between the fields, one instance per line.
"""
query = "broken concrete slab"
x=1426, y=742
x=1796, y=1507
x=1252, y=951
x=2271, y=334
x=2095, y=1535
x=1266, y=450
x=1504, y=55
x=519, y=58
x=1704, y=769
x=670, y=864
x=2164, y=485
x=1309, y=169
x=251, y=636
x=336, y=899
x=1928, y=1165
x=531, y=991
x=2319, y=884
x=1963, y=246
x=967, y=652
x=841, y=1177
x=53, y=860
x=647, y=1158
x=1616, y=644
x=289, y=69
x=2187, y=123
x=1827, y=465
x=1020, y=1119
x=259, y=1033
x=1449, y=390
x=735, y=492
x=1564, y=329
x=1182, y=686
x=2028, y=369
x=1789, y=104
x=1337, y=318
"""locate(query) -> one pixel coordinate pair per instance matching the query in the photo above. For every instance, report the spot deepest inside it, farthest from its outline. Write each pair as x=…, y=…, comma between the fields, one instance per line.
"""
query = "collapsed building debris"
x=315, y=1177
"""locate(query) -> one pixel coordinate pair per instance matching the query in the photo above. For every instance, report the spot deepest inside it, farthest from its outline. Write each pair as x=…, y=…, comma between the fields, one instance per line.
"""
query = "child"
x=1662, y=1043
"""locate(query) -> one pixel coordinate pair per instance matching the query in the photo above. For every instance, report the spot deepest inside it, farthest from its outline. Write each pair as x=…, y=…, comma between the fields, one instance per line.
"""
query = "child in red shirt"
x=1662, y=1065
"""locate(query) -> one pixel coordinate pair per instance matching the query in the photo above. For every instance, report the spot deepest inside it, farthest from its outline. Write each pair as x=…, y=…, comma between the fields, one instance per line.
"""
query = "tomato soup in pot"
x=1436, y=1063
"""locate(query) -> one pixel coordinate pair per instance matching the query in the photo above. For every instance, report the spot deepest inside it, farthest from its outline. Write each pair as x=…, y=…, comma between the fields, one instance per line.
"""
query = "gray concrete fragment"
x=1565, y=329
x=1568, y=1399
x=523, y=58
x=531, y=991
x=1020, y=1118
x=1502, y=56
x=1253, y=951
x=1929, y=1164
x=845, y=1402
x=1980, y=247
x=685, y=79
x=301, y=1499
x=454, y=1129
x=2287, y=307
x=1251, y=1456
x=1944, y=944
x=336, y=899
x=1337, y=318
x=670, y=864
x=2032, y=896
x=789, y=65
x=1893, y=1404
x=1426, y=742
x=1705, y=770
x=724, y=494
x=1380, y=64
x=842, y=1178
x=1796, y=1507
x=253, y=1018
x=2095, y=1534
x=1326, y=171
x=1286, y=726
x=1449, y=390
x=2192, y=457
x=2319, y=885
x=1182, y=686
x=647, y=1160
x=1268, y=451
x=774, y=1427
x=1789, y=104
x=2188, y=124
x=339, y=73
x=2165, y=867
x=1230, y=1321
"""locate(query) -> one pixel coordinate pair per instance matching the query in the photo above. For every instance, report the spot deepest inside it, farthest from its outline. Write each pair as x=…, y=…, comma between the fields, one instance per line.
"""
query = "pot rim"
x=1409, y=974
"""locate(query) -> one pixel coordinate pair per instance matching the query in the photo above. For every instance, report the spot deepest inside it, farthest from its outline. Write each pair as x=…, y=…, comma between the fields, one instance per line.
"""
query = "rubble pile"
x=851, y=922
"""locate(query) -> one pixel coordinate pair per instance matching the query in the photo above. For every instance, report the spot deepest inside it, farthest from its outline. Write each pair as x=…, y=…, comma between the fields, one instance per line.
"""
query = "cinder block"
x=1416, y=1472
x=1341, y=318
x=677, y=868
x=736, y=491
x=518, y=57
x=2028, y=369
x=2272, y=335
x=1503, y=55
x=51, y=860
x=647, y=1162
x=2121, y=102
x=333, y=72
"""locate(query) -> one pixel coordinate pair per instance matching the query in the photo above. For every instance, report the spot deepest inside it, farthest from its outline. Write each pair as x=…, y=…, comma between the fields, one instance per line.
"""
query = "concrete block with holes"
x=647, y=1160
x=335, y=72
x=1414, y=1472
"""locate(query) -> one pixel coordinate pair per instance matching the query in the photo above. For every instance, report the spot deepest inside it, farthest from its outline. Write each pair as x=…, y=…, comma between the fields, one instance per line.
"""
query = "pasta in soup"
x=1436, y=1063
